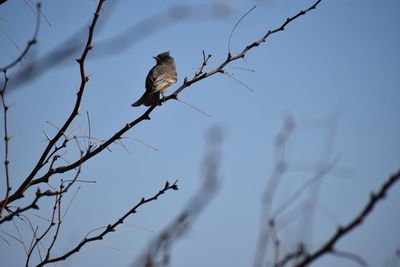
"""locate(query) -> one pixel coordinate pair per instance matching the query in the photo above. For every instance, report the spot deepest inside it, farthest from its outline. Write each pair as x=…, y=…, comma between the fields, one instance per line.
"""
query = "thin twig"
x=70, y=203
x=59, y=221
x=5, y=240
x=89, y=125
x=234, y=28
x=20, y=237
x=38, y=239
x=6, y=146
x=140, y=141
x=193, y=107
x=240, y=68
x=11, y=39
x=237, y=80
x=10, y=235
x=29, y=45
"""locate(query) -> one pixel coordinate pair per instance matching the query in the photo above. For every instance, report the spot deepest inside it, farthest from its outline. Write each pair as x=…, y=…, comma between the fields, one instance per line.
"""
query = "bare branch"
x=160, y=247
x=29, y=45
x=59, y=221
x=328, y=247
x=111, y=227
x=84, y=79
x=6, y=147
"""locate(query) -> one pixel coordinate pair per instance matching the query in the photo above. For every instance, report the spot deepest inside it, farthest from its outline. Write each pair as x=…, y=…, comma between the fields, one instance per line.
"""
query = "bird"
x=158, y=81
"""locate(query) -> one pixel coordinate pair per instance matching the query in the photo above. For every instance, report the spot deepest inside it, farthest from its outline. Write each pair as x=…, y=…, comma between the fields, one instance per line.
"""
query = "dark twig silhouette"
x=111, y=227
x=6, y=140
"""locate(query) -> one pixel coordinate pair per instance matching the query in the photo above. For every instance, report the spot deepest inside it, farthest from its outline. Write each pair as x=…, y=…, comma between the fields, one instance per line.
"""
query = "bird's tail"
x=148, y=100
x=140, y=101
x=152, y=99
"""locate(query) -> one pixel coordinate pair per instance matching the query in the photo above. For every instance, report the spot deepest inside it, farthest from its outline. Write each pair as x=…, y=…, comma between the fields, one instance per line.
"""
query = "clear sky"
x=335, y=71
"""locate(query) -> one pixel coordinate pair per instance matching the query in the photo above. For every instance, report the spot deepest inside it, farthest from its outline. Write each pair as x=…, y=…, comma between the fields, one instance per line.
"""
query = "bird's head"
x=164, y=58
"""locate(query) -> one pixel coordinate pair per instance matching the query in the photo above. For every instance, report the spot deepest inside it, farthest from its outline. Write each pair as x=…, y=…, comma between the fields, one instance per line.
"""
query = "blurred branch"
x=267, y=223
x=121, y=41
x=161, y=246
x=329, y=245
x=110, y=227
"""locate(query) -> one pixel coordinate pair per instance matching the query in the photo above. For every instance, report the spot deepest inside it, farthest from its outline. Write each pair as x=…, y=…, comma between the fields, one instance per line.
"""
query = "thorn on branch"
x=175, y=187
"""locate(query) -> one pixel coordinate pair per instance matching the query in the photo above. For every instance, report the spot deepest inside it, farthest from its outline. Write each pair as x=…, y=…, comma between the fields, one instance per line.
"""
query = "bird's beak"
x=156, y=58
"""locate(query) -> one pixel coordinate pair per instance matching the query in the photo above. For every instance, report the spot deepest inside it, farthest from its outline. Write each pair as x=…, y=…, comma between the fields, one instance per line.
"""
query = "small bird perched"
x=159, y=79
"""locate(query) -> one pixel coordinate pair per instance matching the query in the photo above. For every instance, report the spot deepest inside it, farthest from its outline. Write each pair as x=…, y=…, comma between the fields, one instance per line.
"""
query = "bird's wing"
x=161, y=77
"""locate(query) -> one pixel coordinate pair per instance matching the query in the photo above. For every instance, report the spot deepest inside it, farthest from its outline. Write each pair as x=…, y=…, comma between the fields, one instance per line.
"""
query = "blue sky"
x=335, y=71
